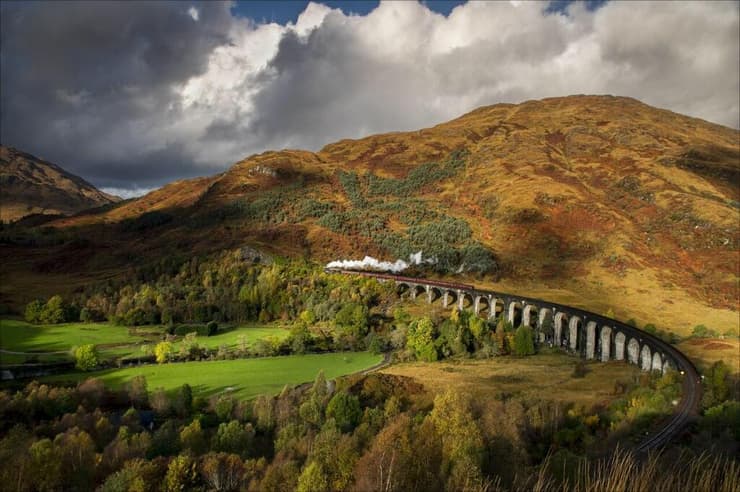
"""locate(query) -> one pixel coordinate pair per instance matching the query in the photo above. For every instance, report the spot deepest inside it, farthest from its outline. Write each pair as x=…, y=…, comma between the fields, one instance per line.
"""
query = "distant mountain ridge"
x=29, y=185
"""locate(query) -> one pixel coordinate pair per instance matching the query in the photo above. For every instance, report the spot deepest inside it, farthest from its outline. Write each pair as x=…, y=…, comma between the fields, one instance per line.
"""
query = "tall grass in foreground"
x=623, y=472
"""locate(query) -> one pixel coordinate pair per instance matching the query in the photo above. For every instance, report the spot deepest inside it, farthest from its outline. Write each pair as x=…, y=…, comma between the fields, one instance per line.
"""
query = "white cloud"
x=403, y=66
x=193, y=12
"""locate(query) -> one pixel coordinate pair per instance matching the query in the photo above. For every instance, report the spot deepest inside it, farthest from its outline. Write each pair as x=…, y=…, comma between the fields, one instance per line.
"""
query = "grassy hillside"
x=595, y=201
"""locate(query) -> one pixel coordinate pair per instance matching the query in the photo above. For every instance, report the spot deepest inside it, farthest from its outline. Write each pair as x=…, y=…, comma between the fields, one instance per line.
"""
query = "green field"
x=52, y=343
x=244, y=378
x=251, y=334
x=20, y=336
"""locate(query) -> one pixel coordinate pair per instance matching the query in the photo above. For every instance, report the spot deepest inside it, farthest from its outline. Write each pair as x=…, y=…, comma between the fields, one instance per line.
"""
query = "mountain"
x=30, y=185
x=600, y=202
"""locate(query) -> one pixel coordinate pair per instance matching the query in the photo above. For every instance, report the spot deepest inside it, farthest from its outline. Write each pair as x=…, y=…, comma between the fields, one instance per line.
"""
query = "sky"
x=133, y=95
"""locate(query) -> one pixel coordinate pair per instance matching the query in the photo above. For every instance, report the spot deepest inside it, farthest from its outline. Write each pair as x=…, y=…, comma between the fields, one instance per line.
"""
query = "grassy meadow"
x=52, y=343
x=244, y=378
x=545, y=375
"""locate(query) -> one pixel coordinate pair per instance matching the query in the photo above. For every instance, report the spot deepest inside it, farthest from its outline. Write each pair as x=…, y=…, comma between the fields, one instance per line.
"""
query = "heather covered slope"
x=29, y=185
x=597, y=201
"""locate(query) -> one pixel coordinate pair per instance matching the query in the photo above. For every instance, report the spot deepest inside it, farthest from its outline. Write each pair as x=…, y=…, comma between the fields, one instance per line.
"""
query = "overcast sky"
x=133, y=95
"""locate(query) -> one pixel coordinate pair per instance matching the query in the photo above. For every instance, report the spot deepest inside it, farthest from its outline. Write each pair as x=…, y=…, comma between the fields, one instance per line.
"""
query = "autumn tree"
x=193, y=438
x=181, y=474
x=462, y=444
x=223, y=471
x=163, y=352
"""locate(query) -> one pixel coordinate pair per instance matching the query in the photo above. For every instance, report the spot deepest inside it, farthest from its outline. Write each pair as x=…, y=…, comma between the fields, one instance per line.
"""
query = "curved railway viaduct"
x=590, y=335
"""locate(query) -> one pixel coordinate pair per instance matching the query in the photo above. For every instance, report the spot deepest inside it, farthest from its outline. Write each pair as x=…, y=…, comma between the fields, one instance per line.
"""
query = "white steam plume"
x=370, y=263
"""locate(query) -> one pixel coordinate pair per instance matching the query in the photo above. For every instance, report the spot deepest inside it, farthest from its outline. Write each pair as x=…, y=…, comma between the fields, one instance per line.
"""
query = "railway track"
x=686, y=410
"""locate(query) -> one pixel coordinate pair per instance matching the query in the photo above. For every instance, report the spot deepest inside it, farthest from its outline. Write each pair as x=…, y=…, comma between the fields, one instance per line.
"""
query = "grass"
x=244, y=378
x=19, y=336
x=52, y=343
x=706, y=351
x=251, y=334
x=546, y=376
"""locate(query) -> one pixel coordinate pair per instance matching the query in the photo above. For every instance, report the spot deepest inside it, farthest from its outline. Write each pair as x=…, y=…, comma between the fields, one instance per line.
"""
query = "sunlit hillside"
x=596, y=201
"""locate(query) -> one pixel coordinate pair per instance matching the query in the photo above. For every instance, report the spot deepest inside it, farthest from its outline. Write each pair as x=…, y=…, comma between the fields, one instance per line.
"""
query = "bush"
x=701, y=331
x=86, y=357
x=202, y=330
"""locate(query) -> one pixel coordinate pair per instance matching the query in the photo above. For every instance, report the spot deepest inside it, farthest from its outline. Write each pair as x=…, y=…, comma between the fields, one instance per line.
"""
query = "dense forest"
x=374, y=432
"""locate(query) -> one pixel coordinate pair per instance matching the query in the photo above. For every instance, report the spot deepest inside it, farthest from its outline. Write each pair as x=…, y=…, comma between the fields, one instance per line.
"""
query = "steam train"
x=400, y=278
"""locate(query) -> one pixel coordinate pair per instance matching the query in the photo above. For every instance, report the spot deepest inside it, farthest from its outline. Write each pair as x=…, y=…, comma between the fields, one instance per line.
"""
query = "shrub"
x=86, y=357
x=701, y=331
x=202, y=330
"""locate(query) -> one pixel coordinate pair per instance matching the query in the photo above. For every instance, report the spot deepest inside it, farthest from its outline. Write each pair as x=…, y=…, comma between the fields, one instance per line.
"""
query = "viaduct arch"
x=580, y=332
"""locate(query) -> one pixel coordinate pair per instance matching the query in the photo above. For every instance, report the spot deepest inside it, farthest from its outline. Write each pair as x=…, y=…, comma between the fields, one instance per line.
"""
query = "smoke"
x=370, y=263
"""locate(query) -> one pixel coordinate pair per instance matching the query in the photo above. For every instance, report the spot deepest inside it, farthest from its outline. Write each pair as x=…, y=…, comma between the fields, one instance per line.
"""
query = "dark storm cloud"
x=82, y=80
x=136, y=94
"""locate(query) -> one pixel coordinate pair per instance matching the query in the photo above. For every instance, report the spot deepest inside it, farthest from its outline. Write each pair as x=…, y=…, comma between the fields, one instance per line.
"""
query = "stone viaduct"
x=590, y=335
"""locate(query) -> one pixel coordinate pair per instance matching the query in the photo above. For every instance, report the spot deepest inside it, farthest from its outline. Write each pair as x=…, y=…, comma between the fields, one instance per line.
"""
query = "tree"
x=233, y=438
x=77, y=452
x=165, y=441
x=478, y=328
x=222, y=471
x=523, y=341
x=716, y=387
x=34, y=311
x=183, y=402
x=137, y=391
x=193, y=438
x=54, y=310
x=162, y=352
x=313, y=479
x=353, y=318
x=462, y=444
x=46, y=465
x=345, y=410
x=86, y=357
x=181, y=474
x=420, y=340
x=136, y=475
